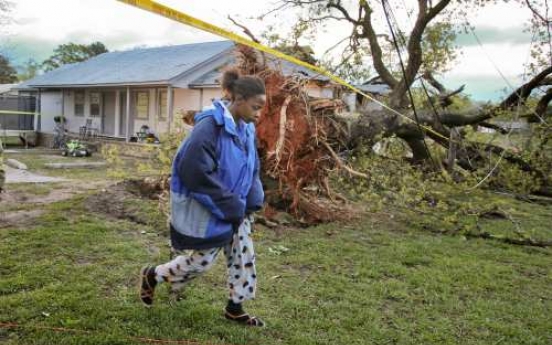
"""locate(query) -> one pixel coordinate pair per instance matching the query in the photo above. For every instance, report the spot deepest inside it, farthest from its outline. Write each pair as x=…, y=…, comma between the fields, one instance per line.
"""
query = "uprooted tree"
x=302, y=141
x=428, y=51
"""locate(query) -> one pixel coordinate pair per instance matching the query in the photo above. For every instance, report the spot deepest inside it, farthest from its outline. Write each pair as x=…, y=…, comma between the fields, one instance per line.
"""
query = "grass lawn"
x=71, y=279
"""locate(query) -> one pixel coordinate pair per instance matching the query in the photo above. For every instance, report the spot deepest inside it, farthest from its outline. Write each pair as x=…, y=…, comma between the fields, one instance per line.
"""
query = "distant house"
x=118, y=92
x=514, y=126
x=374, y=87
x=14, y=107
x=8, y=89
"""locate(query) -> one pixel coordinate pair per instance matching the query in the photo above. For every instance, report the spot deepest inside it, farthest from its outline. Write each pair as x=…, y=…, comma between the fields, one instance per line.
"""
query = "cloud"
x=487, y=34
x=20, y=49
x=481, y=88
x=39, y=27
x=489, y=60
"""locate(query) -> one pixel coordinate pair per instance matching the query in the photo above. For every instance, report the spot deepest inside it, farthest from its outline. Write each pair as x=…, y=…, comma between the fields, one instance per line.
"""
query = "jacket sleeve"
x=255, y=197
x=197, y=169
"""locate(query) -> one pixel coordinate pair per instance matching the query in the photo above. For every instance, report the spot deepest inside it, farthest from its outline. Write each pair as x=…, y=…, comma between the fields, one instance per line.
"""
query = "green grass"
x=36, y=164
x=35, y=188
x=377, y=280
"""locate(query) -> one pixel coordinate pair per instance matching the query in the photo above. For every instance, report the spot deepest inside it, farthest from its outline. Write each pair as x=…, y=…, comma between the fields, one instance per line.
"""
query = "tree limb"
x=250, y=34
x=245, y=30
x=486, y=124
x=537, y=14
x=516, y=241
x=521, y=93
x=540, y=110
x=444, y=95
x=546, y=81
x=427, y=75
x=414, y=47
x=375, y=48
x=340, y=163
x=337, y=5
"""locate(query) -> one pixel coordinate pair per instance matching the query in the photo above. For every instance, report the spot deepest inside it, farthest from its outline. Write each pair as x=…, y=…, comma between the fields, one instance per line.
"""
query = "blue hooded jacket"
x=215, y=180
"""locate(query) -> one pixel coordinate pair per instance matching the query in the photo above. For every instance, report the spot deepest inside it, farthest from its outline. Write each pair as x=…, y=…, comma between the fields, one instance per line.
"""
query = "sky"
x=39, y=26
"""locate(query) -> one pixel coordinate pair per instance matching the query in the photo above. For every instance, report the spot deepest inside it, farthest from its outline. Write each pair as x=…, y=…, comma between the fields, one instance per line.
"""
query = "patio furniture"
x=88, y=130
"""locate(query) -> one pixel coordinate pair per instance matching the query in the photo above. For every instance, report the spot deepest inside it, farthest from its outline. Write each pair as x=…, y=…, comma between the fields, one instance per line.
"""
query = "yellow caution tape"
x=165, y=11
x=9, y=112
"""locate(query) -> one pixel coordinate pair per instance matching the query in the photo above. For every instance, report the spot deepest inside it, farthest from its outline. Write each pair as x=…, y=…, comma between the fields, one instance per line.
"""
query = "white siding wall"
x=317, y=91
x=75, y=122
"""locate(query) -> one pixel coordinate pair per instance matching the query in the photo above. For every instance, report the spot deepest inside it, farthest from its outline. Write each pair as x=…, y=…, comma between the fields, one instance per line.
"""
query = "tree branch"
x=444, y=95
x=337, y=5
x=546, y=81
x=245, y=30
x=486, y=124
x=537, y=14
x=433, y=82
x=414, y=47
x=540, y=110
x=281, y=6
x=520, y=94
x=250, y=34
x=375, y=48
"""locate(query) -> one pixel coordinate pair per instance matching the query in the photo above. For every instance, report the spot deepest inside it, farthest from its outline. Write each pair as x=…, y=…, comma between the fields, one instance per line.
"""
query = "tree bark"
x=414, y=47
x=375, y=48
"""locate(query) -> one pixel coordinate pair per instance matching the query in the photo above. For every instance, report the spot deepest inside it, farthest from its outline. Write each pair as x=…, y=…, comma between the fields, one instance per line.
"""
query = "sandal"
x=147, y=285
x=245, y=319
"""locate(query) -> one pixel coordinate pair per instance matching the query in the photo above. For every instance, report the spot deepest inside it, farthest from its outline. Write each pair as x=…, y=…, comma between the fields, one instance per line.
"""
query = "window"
x=79, y=103
x=142, y=105
x=162, y=108
x=94, y=104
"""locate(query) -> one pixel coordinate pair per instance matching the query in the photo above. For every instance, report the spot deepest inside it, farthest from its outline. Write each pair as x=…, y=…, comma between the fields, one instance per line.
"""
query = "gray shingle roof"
x=213, y=77
x=137, y=66
x=7, y=88
x=376, y=89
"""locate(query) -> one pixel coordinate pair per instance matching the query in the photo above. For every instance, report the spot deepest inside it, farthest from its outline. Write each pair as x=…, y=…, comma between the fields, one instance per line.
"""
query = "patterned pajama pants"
x=240, y=261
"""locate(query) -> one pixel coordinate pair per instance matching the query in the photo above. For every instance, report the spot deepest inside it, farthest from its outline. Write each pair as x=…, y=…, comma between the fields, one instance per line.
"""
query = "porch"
x=110, y=112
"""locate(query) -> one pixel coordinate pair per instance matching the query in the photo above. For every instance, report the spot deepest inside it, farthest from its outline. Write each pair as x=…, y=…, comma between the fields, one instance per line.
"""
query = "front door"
x=108, y=114
x=122, y=114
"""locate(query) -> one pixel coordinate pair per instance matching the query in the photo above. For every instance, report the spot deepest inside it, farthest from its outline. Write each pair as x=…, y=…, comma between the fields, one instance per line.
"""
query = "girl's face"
x=249, y=110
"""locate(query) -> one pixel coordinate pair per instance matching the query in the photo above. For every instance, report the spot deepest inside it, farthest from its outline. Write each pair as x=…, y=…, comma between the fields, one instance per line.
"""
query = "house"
x=8, y=89
x=374, y=87
x=118, y=92
x=513, y=126
x=16, y=112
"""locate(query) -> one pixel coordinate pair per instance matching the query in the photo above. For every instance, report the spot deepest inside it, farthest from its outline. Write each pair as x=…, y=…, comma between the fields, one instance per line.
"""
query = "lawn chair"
x=88, y=130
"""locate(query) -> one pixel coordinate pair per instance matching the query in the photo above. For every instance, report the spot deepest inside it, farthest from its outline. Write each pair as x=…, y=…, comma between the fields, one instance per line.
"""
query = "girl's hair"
x=245, y=86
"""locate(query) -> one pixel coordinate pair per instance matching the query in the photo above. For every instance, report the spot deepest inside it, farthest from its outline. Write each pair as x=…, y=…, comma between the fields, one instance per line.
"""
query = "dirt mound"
x=19, y=219
x=125, y=201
